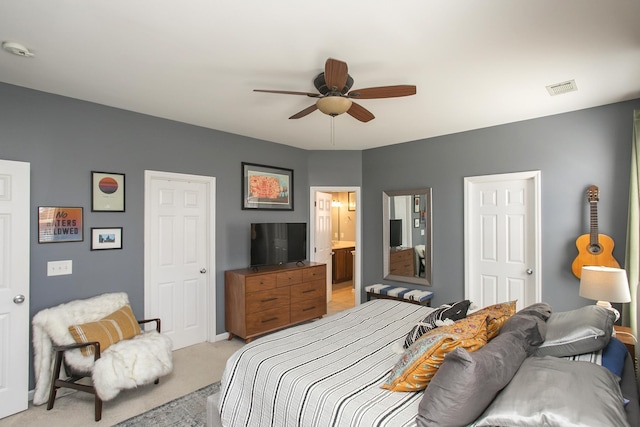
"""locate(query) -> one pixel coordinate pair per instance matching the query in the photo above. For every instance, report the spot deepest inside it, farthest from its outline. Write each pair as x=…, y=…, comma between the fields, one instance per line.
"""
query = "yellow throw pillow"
x=420, y=362
x=119, y=325
x=496, y=315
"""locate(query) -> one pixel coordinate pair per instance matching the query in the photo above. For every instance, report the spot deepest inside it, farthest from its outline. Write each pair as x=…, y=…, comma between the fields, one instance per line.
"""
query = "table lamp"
x=605, y=285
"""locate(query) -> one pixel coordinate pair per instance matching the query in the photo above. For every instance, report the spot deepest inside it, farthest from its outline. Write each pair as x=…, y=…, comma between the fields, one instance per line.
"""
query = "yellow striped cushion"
x=119, y=325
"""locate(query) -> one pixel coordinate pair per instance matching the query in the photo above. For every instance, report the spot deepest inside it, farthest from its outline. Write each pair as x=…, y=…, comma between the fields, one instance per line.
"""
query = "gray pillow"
x=539, y=309
x=530, y=327
x=466, y=383
x=577, y=331
x=554, y=392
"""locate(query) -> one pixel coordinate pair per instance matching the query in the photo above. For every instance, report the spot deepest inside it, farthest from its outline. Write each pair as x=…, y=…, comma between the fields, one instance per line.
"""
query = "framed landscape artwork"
x=266, y=187
x=106, y=238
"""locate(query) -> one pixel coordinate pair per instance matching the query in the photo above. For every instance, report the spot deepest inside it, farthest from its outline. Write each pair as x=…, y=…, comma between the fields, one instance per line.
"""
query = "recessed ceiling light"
x=17, y=49
x=564, y=87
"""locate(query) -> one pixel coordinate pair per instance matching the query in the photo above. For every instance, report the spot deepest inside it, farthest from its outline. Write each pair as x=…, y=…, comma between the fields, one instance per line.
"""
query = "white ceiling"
x=475, y=63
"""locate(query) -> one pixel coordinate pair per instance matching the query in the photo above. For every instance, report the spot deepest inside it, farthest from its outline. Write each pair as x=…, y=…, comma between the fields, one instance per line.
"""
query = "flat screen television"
x=278, y=243
x=395, y=233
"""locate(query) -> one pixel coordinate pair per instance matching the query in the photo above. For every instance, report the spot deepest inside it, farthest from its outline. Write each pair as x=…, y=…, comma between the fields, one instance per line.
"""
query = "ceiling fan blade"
x=359, y=112
x=288, y=92
x=383, y=92
x=335, y=74
x=304, y=112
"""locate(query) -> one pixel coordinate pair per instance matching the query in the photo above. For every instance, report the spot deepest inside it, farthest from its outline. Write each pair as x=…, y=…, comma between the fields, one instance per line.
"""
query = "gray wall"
x=65, y=139
x=572, y=150
x=335, y=168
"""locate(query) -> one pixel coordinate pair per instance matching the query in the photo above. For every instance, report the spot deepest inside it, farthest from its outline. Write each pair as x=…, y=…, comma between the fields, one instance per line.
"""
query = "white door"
x=15, y=192
x=322, y=228
x=502, y=239
x=179, y=255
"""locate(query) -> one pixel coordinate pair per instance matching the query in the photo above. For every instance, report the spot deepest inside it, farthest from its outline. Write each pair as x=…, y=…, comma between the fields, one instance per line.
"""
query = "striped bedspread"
x=323, y=373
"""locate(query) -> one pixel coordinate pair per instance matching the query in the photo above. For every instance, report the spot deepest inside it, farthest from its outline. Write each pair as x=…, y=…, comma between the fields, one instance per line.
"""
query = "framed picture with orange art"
x=267, y=187
x=58, y=224
x=107, y=192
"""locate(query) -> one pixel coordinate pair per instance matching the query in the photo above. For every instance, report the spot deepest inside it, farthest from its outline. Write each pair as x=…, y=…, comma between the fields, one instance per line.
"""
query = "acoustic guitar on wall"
x=593, y=248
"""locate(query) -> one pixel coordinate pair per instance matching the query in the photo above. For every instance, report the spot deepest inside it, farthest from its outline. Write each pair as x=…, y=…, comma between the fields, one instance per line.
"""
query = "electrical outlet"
x=59, y=268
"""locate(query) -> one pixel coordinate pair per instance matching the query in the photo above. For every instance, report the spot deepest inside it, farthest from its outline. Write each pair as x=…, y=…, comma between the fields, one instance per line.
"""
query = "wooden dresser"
x=401, y=262
x=269, y=298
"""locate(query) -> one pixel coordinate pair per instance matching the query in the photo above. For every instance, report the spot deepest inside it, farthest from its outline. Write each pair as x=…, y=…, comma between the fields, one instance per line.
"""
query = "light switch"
x=422, y=232
x=59, y=268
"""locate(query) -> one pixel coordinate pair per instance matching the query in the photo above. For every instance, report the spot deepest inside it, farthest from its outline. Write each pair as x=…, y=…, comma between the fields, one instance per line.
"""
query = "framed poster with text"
x=59, y=224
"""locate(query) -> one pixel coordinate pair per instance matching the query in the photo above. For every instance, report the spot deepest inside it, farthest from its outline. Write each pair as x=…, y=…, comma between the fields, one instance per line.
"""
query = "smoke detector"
x=564, y=87
x=17, y=49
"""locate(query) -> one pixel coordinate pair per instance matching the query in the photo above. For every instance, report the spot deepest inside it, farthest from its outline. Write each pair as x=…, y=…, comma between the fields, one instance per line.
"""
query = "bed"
x=330, y=372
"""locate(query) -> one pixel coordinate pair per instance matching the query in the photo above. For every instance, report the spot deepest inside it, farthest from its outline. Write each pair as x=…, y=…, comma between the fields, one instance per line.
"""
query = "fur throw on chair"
x=123, y=365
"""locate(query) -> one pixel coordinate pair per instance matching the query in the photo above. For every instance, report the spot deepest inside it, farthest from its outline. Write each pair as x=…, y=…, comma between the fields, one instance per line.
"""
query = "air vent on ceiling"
x=564, y=87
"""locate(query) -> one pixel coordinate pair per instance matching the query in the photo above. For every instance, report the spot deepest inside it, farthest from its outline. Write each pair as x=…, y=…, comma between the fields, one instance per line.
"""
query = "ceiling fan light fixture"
x=334, y=105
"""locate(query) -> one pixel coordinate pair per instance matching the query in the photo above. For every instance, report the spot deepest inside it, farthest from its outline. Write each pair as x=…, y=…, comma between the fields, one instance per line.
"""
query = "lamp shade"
x=333, y=105
x=604, y=284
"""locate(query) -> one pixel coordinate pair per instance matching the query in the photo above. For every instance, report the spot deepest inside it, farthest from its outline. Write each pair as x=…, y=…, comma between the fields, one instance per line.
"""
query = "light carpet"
x=189, y=410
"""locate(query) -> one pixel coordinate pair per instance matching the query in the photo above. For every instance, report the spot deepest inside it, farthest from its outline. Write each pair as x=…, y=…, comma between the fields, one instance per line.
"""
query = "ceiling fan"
x=334, y=97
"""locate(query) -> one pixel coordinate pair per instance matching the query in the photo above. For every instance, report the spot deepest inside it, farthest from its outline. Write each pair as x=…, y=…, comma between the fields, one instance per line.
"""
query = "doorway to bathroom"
x=336, y=242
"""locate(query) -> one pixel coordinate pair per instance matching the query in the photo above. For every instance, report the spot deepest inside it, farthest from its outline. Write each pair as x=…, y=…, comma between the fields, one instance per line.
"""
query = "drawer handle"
x=268, y=299
x=308, y=290
x=310, y=308
x=269, y=320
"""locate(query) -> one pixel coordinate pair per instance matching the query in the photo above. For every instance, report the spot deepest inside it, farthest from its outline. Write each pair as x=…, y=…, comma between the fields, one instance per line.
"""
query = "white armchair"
x=127, y=362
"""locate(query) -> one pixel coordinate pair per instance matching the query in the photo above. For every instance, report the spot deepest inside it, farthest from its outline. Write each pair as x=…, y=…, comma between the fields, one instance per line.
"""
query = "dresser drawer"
x=288, y=278
x=313, y=273
x=308, y=291
x=266, y=320
x=260, y=283
x=261, y=301
x=308, y=309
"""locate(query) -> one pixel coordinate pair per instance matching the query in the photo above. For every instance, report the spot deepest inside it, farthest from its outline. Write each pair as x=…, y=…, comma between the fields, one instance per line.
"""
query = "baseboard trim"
x=221, y=337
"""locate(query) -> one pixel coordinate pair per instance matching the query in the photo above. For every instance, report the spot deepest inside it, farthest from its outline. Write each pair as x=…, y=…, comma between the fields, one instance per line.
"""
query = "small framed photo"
x=416, y=204
x=106, y=238
x=107, y=192
x=59, y=224
x=267, y=187
x=416, y=223
x=352, y=201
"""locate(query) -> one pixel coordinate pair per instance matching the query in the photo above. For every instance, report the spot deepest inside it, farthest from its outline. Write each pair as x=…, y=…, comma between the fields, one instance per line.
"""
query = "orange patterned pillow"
x=420, y=362
x=119, y=325
x=496, y=315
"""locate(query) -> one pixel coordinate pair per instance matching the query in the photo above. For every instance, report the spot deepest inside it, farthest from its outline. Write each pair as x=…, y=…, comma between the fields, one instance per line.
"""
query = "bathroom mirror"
x=406, y=241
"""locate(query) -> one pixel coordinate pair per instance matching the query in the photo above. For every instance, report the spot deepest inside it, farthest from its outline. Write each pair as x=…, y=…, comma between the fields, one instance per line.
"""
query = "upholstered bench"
x=414, y=296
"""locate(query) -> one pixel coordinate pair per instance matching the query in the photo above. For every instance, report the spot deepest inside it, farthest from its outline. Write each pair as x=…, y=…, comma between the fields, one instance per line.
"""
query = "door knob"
x=18, y=299
x=203, y=270
x=529, y=271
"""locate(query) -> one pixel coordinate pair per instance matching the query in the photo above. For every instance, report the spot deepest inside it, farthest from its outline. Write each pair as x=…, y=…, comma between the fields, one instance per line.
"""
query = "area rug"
x=189, y=410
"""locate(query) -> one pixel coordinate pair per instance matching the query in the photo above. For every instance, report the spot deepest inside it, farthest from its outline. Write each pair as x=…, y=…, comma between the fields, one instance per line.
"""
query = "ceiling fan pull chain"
x=333, y=131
